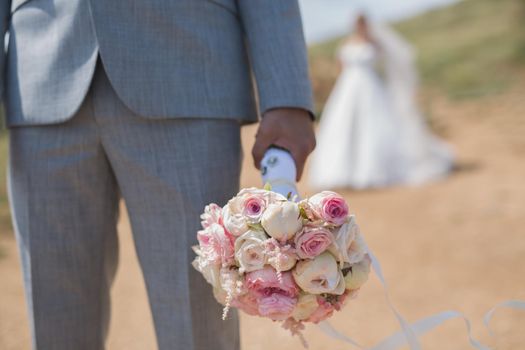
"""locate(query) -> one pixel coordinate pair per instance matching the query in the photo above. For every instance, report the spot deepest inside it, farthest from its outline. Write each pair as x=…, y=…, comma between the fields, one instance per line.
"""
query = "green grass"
x=469, y=49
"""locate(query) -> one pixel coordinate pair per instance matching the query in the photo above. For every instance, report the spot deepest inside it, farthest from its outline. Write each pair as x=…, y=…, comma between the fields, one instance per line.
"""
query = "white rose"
x=283, y=261
x=249, y=251
x=319, y=275
x=234, y=222
x=211, y=272
x=306, y=305
x=357, y=249
x=358, y=274
x=349, y=246
x=282, y=220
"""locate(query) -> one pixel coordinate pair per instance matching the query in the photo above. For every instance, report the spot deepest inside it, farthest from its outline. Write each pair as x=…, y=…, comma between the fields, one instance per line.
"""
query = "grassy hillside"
x=466, y=50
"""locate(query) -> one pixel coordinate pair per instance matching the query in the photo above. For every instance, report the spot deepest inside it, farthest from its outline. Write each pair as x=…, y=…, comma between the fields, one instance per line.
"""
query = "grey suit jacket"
x=165, y=58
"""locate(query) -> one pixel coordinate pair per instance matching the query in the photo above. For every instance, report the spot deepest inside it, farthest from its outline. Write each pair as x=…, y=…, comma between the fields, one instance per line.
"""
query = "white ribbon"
x=329, y=330
x=278, y=169
x=409, y=333
x=512, y=304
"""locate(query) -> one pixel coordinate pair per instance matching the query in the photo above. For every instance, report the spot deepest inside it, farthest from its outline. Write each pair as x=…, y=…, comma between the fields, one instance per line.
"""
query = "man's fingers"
x=287, y=128
x=299, y=155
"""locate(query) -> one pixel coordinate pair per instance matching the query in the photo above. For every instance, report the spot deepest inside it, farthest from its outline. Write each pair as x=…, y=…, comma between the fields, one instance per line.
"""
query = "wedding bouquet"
x=292, y=262
x=297, y=262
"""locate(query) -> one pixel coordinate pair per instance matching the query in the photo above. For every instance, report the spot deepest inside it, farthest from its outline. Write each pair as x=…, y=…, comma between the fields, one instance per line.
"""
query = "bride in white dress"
x=371, y=132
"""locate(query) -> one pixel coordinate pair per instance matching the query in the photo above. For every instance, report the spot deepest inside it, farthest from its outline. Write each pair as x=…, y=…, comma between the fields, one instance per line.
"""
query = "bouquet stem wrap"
x=278, y=171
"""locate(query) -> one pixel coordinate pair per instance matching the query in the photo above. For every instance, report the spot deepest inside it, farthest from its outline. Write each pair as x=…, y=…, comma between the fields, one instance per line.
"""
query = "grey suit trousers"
x=65, y=183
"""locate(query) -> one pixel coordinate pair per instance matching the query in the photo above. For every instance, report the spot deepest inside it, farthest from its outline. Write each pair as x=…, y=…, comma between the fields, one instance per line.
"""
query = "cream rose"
x=283, y=261
x=357, y=250
x=281, y=258
x=234, y=222
x=211, y=272
x=349, y=246
x=249, y=251
x=319, y=275
x=305, y=307
x=282, y=220
x=358, y=274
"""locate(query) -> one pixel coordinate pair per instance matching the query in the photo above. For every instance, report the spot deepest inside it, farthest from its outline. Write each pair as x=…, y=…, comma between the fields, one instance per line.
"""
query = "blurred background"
x=458, y=243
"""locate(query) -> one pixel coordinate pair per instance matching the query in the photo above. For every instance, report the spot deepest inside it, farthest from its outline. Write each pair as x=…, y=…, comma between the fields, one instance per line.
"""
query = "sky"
x=324, y=19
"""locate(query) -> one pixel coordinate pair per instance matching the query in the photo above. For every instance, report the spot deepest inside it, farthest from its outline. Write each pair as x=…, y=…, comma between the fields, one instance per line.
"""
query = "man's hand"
x=288, y=128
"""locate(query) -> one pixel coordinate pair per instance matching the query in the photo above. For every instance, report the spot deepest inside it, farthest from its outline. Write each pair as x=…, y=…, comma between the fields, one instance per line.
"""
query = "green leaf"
x=267, y=186
x=256, y=227
x=302, y=212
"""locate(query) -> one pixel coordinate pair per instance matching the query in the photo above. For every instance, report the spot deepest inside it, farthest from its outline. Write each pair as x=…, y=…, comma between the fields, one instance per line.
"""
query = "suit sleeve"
x=5, y=9
x=277, y=51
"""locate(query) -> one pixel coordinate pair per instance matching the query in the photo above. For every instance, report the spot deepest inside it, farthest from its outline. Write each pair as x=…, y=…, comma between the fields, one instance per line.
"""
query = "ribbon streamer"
x=329, y=330
x=512, y=304
x=410, y=333
x=278, y=169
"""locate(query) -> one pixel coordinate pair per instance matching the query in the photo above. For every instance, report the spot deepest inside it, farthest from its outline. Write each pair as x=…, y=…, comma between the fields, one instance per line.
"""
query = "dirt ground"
x=454, y=244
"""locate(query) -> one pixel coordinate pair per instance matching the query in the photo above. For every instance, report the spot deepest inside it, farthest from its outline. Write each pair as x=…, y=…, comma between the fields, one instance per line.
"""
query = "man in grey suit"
x=141, y=99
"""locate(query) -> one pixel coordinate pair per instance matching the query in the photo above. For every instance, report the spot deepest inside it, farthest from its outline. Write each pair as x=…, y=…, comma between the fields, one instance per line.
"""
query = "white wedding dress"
x=367, y=138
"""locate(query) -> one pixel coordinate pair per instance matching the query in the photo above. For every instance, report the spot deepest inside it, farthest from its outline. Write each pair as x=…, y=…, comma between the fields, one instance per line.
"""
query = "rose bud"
x=319, y=275
x=282, y=220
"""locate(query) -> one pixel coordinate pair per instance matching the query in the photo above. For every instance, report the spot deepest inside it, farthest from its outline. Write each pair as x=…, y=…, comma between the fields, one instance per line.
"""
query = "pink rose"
x=264, y=283
x=312, y=241
x=247, y=303
x=277, y=306
x=216, y=245
x=254, y=206
x=252, y=202
x=211, y=215
x=247, y=208
x=330, y=207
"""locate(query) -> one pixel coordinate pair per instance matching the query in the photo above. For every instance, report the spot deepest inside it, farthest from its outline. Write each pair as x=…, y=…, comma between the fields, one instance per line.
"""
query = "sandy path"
x=455, y=244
